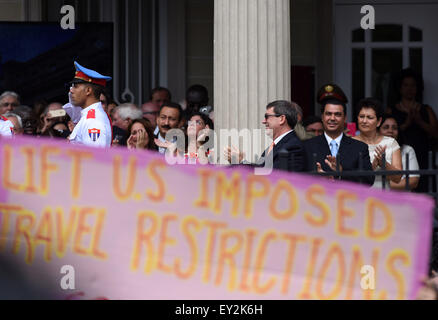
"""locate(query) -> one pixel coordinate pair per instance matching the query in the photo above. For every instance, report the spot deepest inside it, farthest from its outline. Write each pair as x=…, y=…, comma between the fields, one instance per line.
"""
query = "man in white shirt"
x=94, y=128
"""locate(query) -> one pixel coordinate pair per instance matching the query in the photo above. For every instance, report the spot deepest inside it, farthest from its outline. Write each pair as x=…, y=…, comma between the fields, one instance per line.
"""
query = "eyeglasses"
x=267, y=116
x=198, y=122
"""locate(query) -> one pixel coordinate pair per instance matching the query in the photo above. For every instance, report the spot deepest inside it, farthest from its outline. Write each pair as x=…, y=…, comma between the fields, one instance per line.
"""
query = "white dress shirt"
x=337, y=140
x=277, y=141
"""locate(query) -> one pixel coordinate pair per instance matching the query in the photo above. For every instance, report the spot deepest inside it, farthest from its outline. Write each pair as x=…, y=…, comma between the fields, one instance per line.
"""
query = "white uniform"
x=6, y=127
x=94, y=128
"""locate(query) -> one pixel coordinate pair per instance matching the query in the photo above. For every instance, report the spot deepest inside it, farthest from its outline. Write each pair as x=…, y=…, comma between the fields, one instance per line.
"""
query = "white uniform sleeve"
x=6, y=128
x=413, y=162
x=95, y=134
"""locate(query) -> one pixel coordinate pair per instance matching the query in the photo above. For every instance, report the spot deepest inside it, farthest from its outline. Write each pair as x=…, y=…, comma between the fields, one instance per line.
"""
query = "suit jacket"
x=296, y=156
x=349, y=155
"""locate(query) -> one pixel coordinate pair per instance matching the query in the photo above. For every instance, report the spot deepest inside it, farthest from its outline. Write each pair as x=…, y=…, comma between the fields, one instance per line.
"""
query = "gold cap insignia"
x=329, y=89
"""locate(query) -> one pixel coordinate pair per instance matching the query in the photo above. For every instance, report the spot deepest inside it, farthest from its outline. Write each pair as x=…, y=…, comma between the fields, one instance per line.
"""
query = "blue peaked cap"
x=91, y=73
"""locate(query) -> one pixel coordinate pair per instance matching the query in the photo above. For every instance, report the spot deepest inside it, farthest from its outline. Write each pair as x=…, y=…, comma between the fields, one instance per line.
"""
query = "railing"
x=360, y=172
x=430, y=173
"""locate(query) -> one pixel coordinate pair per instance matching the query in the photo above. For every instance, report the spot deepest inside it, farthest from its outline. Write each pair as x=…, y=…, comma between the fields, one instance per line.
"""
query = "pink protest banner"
x=132, y=227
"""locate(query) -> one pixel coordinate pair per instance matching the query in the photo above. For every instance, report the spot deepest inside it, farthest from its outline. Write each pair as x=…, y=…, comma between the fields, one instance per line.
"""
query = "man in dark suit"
x=280, y=119
x=324, y=152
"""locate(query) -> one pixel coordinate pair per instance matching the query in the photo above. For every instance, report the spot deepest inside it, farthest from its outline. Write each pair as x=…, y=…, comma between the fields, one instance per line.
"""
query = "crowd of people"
x=394, y=138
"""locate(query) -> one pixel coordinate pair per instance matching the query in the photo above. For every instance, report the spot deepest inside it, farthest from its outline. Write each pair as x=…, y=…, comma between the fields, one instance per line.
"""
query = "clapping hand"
x=232, y=153
x=163, y=144
x=378, y=157
x=332, y=163
x=203, y=134
x=415, y=114
x=171, y=147
x=319, y=170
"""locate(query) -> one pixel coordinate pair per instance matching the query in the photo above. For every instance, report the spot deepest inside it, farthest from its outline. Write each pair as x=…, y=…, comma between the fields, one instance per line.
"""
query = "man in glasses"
x=8, y=101
x=280, y=121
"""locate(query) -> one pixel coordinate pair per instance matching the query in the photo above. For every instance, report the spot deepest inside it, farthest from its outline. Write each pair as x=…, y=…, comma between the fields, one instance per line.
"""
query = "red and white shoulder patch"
x=4, y=118
x=91, y=114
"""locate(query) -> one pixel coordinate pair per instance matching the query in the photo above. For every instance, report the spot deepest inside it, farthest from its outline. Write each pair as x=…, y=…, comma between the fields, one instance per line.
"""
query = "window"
x=379, y=55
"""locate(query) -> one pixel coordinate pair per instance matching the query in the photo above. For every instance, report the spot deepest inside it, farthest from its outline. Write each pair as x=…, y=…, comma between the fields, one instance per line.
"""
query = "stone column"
x=251, y=61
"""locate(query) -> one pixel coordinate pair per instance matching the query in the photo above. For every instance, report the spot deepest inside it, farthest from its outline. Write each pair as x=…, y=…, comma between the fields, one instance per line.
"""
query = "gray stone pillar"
x=252, y=60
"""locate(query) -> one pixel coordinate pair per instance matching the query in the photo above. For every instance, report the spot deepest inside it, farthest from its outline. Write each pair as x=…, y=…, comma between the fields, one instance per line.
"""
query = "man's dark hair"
x=158, y=89
x=204, y=118
x=97, y=90
x=283, y=107
x=173, y=105
x=371, y=103
x=196, y=97
x=108, y=96
x=311, y=120
x=334, y=102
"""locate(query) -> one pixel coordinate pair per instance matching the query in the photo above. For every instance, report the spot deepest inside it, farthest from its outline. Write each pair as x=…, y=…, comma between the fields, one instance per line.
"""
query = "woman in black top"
x=419, y=125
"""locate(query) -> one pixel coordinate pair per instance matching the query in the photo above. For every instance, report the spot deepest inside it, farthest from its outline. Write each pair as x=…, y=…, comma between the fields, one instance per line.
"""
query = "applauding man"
x=324, y=153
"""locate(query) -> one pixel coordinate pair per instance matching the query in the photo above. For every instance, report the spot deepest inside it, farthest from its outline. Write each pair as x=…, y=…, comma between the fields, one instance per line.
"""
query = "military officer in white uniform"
x=94, y=129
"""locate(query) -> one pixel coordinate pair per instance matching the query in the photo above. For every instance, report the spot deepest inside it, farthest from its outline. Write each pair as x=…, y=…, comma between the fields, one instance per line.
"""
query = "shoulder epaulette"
x=91, y=114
